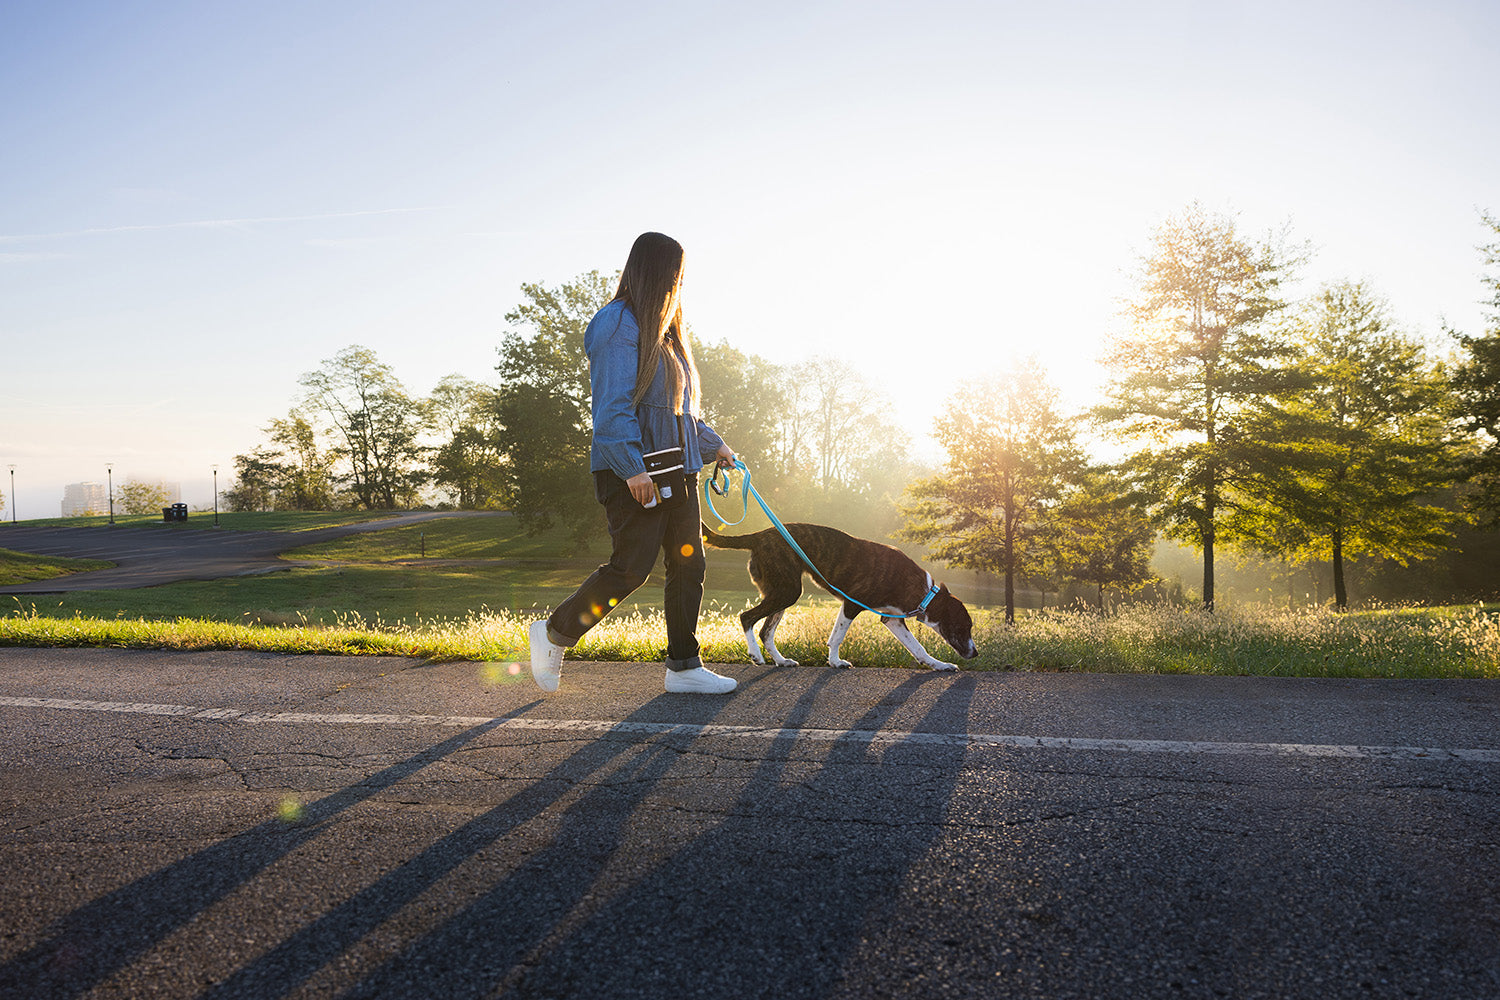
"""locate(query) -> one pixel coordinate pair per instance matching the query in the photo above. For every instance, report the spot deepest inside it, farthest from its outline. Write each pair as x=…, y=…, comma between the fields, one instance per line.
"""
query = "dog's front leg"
x=768, y=639
x=836, y=637
x=903, y=635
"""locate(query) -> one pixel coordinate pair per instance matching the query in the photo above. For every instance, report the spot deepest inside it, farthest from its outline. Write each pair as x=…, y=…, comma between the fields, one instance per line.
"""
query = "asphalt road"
x=252, y=825
x=148, y=555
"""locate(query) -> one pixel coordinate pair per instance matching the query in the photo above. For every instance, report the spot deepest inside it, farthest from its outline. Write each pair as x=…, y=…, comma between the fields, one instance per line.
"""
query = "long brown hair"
x=651, y=285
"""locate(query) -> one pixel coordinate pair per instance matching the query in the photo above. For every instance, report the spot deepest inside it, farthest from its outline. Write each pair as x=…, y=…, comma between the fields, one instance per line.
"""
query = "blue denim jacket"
x=623, y=432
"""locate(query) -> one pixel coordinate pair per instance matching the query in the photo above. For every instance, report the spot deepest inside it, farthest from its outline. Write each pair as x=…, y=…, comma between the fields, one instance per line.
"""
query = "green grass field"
x=270, y=520
x=23, y=567
x=483, y=580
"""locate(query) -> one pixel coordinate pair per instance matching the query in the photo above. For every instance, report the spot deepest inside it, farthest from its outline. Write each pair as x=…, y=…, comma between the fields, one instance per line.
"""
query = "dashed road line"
x=874, y=737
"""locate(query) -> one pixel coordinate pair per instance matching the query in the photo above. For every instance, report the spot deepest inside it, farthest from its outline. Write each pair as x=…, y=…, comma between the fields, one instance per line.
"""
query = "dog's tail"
x=719, y=541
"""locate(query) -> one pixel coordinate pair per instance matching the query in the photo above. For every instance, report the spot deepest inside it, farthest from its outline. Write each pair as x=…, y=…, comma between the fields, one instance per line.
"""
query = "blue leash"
x=747, y=490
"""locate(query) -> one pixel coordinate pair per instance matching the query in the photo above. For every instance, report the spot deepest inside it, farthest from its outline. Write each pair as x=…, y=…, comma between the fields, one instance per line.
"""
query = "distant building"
x=83, y=499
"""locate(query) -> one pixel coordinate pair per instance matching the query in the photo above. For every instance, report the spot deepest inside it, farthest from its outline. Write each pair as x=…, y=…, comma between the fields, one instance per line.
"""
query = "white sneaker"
x=699, y=680
x=546, y=658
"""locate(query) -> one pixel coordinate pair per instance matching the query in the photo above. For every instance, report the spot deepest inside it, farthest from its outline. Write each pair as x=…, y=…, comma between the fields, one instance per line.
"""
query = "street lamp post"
x=109, y=469
x=12, y=494
x=216, y=496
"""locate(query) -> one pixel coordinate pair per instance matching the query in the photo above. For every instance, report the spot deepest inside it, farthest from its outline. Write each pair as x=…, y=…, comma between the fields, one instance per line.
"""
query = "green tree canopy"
x=466, y=462
x=294, y=474
x=140, y=497
x=744, y=397
x=1200, y=354
x=1476, y=385
x=541, y=406
x=1355, y=457
x=1099, y=537
x=377, y=424
x=1010, y=456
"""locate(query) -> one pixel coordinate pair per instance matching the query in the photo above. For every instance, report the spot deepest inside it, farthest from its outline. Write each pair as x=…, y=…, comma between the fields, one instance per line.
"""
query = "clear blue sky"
x=199, y=201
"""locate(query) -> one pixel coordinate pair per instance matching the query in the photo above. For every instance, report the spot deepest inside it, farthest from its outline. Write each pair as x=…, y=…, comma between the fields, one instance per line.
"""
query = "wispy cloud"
x=210, y=224
x=26, y=256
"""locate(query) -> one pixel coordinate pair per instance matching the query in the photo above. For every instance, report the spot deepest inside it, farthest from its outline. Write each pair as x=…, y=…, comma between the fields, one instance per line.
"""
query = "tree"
x=542, y=408
x=137, y=497
x=1351, y=461
x=1099, y=537
x=257, y=478
x=1200, y=355
x=307, y=480
x=376, y=422
x=1476, y=385
x=744, y=397
x=294, y=475
x=1010, y=456
x=467, y=463
x=839, y=428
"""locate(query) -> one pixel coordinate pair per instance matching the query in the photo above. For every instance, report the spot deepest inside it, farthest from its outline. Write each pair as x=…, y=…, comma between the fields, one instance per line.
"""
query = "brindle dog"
x=880, y=576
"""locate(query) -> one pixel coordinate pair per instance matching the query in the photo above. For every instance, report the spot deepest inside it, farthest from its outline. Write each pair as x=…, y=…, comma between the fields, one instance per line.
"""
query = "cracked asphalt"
x=253, y=825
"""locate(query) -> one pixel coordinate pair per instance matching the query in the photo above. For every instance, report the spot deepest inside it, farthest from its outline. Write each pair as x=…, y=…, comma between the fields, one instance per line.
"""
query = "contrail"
x=211, y=223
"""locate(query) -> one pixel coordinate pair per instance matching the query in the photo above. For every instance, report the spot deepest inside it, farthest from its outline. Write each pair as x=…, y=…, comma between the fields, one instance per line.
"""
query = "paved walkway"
x=148, y=555
x=234, y=825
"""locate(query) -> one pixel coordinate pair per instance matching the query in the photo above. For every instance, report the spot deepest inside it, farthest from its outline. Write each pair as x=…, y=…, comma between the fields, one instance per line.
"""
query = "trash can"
x=167, y=514
x=176, y=512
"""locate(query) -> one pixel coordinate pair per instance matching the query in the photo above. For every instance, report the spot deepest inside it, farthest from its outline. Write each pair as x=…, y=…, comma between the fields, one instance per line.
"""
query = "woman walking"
x=645, y=401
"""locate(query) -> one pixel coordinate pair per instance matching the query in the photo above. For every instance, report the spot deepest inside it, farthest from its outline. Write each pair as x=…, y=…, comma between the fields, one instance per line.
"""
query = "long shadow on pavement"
x=104, y=936
x=543, y=888
x=769, y=903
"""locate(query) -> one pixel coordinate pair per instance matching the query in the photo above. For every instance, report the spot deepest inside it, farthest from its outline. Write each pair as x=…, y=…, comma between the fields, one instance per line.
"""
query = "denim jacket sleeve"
x=612, y=342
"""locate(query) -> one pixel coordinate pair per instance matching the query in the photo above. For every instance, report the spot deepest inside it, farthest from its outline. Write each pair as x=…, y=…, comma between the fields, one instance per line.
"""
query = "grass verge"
x=1410, y=643
x=24, y=567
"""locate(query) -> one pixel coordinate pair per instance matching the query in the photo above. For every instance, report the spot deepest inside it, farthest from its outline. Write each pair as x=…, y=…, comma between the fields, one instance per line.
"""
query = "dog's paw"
x=782, y=661
x=940, y=665
x=834, y=661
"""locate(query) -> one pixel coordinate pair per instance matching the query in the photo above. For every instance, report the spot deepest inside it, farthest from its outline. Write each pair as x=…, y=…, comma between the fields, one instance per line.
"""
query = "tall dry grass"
x=1446, y=642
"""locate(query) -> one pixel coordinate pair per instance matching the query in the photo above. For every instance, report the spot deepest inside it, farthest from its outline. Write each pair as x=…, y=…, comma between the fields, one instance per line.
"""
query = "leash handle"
x=712, y=483
x=711, y=486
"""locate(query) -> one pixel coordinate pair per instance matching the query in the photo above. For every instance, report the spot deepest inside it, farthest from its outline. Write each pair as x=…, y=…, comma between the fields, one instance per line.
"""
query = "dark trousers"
x=638, y=534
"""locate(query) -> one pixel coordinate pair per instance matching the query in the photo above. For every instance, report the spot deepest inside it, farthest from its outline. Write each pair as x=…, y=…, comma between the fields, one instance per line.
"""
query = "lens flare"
x=491, y=674
x=290, y=810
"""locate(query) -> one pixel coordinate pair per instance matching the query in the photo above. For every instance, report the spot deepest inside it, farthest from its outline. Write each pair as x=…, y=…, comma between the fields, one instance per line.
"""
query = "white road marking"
x=877, y=737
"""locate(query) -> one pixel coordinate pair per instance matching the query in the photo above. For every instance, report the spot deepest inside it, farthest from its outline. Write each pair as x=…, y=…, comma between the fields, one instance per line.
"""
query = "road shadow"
x=771, y=902
x=555, y=873
x=104, y=936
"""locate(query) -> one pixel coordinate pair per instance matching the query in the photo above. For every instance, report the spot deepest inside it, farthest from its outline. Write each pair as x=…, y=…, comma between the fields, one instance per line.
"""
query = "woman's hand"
x=726, y=457
x=640, y=487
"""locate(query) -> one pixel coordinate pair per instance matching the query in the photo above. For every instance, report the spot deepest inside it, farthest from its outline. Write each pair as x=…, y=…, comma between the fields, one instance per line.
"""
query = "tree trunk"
x=1010, y=589
x=1208, y=568
x=1010, y=570
x=1340, y=595
x=1210, y=492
